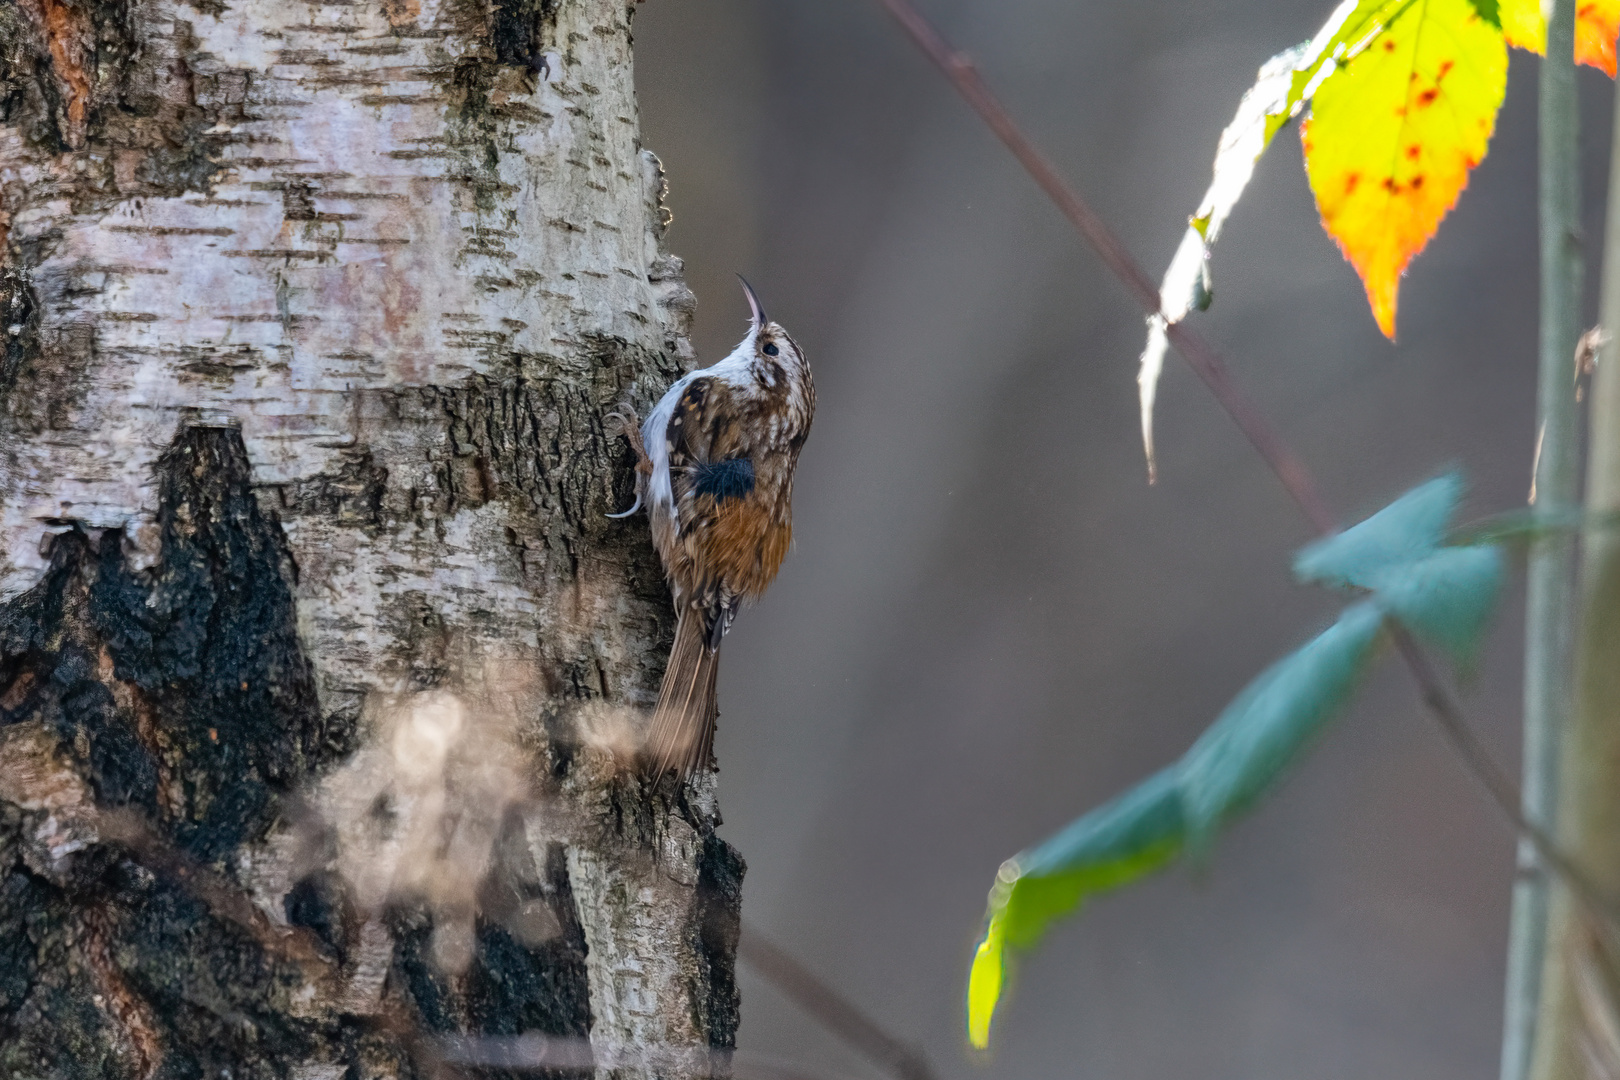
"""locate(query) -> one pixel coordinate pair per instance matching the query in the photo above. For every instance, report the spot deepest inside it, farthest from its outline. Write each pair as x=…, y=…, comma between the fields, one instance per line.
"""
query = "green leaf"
x=1267, y=725
x=1444, y=595
x=1235, y=762
x=1408, y=529
x=1490, y=11
x=1118, y=842
x=1533, y=524
x=1446, y=599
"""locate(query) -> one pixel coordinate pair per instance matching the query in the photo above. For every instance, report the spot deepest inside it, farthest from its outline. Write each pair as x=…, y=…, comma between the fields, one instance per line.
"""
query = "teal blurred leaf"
x=1236, y=761
x=1276, y=716
x=1446, y=599
x=1399, y=561
x=1406, y=530
x=1145, y=817
x=1444, y=595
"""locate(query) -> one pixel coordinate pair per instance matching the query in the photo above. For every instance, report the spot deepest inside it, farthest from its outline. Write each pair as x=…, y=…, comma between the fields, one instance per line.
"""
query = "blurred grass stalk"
x=1550, y=587
x=1574, y=1033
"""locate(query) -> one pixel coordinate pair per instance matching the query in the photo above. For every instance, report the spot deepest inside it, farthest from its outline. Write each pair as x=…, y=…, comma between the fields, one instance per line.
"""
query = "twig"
x=536, y=1052
x=801, y=986
x=224, y=899
x=1288, y=467
x=1466, y=742
x=1199, y=354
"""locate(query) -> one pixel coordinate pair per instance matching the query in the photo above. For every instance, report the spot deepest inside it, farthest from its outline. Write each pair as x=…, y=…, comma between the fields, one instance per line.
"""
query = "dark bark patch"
x=298, y=201
x=19, y=325
x=17, y=66
x=69, y=38
x=438, y=1006
x=528, y=970
x=92, y=79
x=521, y=29
x=50, y=669
x=58, y=1030
x=220, y=1001
x=209, y=635
x=45, y=378
x=719, y=896
x=32, y=401
x=83, y=50
x=122, y=771
x=180, y=690
x=318, y=903
x=531, y=970
x=19, y=959
x=352, y=496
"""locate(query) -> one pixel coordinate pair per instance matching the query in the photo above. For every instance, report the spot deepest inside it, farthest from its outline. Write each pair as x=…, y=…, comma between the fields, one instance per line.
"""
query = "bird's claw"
x=630, y=428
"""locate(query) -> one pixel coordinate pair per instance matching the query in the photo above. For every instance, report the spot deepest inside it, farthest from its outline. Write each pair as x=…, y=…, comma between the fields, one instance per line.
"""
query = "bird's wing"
x=710, y=475
x=702, y=431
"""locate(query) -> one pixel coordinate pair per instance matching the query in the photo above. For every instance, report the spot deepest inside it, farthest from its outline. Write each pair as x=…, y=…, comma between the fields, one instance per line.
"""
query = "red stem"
x=959, y=68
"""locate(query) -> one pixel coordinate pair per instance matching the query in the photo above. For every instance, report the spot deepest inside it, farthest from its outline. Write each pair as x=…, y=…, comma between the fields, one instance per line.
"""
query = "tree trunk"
x=319, y=661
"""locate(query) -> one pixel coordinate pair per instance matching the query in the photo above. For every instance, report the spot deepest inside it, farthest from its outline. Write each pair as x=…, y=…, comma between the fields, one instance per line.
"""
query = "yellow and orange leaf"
x=1597, y=24
x=1393, y=134
x=1523, y=24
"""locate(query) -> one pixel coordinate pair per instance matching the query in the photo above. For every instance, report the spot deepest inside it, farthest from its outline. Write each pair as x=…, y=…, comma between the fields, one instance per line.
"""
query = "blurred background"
x=990, y=623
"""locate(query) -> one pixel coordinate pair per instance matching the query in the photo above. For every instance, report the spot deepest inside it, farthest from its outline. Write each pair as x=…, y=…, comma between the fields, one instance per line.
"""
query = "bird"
x=714, y=469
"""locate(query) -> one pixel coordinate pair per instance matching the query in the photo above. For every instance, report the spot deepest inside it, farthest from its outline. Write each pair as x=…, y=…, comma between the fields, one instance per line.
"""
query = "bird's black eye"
x=771, y=349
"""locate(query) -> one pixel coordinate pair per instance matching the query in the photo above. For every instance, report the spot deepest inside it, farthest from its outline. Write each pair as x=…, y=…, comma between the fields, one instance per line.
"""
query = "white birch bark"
x=400, y=257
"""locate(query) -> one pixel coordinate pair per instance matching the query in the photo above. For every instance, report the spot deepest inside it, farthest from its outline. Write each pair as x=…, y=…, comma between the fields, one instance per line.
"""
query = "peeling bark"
x=319, y=660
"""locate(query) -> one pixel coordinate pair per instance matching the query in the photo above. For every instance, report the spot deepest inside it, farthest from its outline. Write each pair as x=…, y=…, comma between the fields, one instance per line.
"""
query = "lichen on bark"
x=312, y=314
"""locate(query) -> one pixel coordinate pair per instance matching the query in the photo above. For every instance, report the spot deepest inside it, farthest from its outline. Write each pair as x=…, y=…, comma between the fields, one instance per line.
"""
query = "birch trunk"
x=318, y=658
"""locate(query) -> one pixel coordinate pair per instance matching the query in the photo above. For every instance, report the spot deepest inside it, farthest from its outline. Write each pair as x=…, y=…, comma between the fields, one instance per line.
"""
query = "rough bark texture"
x=318, y=658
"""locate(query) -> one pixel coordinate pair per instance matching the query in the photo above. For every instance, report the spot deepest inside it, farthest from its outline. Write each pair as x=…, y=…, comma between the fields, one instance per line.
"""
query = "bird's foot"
x=630, y=428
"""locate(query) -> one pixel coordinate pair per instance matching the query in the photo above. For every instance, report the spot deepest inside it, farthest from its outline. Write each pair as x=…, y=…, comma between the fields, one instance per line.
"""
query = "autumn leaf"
x=1283, y=86
x=1523, y=25
x=1394, y=133
x=1597, y=24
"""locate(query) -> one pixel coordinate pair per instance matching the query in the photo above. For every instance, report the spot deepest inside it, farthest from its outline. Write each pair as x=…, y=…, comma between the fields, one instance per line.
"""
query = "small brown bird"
x=715, y=470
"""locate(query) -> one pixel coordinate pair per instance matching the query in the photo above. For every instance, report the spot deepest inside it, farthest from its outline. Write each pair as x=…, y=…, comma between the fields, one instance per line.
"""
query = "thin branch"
x=224, y=899
x=805, y=989
x=1199, y=354
x=534, y=1052
x=1288, y=467
x=1467, y=745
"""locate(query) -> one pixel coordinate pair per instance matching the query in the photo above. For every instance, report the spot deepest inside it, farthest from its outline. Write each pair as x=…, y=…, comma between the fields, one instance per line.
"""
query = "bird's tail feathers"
x=681, y=738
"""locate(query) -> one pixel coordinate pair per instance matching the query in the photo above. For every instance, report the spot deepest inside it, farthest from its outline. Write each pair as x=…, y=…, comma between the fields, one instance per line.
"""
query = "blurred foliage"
x=1597, y=24
x=1400, y=561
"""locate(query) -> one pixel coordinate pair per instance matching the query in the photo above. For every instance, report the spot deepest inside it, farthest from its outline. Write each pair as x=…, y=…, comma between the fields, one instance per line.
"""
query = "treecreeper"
x=714, y=471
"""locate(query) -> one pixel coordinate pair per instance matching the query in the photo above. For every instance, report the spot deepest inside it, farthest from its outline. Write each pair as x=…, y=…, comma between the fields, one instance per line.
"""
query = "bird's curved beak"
x=756, y=310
